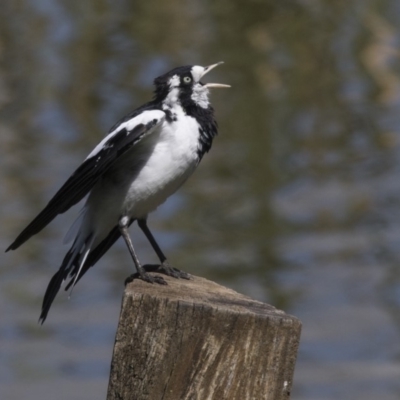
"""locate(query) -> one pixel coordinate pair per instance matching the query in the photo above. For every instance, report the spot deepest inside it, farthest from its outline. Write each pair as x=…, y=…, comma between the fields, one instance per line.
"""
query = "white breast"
x=172, y=161
x=136, y=186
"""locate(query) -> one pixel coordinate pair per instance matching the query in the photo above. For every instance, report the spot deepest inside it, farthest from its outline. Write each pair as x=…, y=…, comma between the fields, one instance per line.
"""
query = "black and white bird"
x=143, y=160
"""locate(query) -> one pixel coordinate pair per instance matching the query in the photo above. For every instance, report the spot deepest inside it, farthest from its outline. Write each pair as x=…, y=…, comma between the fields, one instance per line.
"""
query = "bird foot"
x=166, y=269
x=144, y=276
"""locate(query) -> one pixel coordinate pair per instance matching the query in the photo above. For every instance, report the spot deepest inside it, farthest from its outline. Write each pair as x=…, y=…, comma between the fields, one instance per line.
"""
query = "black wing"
x=119, y=141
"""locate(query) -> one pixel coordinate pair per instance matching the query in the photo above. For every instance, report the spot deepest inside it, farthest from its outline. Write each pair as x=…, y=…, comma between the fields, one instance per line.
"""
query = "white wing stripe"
x=143, y=118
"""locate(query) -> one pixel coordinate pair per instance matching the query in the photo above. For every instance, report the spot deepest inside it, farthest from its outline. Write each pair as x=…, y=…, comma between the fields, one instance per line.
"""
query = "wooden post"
x=196, y=340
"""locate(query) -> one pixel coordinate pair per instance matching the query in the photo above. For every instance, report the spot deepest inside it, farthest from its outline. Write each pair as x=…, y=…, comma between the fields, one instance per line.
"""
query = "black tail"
x=54, y=286
x=73, y=269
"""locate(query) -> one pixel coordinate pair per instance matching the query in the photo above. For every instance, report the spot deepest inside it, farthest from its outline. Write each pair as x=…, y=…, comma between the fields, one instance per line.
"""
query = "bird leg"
x=141, y=273
x=164, y=267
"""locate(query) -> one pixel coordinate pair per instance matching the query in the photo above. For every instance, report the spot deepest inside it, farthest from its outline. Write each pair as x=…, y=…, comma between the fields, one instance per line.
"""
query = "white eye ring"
x=187, y=79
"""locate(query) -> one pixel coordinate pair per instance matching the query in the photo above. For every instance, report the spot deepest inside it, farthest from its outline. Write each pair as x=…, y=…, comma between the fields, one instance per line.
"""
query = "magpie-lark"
x=143, y=160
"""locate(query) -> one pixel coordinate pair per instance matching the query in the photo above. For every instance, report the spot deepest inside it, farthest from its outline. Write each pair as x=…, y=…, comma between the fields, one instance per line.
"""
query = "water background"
x=297, y=204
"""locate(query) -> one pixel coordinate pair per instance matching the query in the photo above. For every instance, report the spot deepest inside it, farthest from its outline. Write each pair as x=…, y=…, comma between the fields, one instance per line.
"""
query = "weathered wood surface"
x=196, y=340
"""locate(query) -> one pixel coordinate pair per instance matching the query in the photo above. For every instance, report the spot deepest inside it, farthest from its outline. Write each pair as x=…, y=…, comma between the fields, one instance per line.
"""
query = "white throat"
x=200, y=95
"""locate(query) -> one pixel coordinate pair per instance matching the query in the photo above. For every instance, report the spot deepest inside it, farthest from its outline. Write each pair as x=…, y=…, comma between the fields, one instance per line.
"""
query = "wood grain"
x=196, y=340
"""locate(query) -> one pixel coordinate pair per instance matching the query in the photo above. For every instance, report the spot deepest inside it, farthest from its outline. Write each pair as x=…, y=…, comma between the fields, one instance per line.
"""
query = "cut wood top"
x=201, y=291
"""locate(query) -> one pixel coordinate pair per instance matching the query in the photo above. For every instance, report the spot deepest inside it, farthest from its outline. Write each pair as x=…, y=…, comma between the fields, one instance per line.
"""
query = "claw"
x=166, y=269
x=145, y=277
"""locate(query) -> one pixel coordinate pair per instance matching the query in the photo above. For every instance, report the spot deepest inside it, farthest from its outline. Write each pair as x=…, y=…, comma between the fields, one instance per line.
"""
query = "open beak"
x=214, y=85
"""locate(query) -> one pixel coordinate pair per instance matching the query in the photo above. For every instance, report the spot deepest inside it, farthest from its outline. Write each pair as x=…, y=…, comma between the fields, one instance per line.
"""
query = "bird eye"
x=187, y=79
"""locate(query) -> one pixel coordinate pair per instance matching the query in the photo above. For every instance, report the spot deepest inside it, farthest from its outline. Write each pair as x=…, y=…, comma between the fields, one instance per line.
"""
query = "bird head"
x=183, y=85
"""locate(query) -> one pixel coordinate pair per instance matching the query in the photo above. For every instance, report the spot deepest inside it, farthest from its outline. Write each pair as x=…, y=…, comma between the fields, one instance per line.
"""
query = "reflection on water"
x=297, y=204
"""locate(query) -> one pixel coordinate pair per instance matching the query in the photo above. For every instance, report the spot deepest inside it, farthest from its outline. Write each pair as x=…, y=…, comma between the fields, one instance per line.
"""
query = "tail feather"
x=75, y=227
x=94, y=256
x=77, y=261
x=54, y=285
x=82, y=259
x=78, y=253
